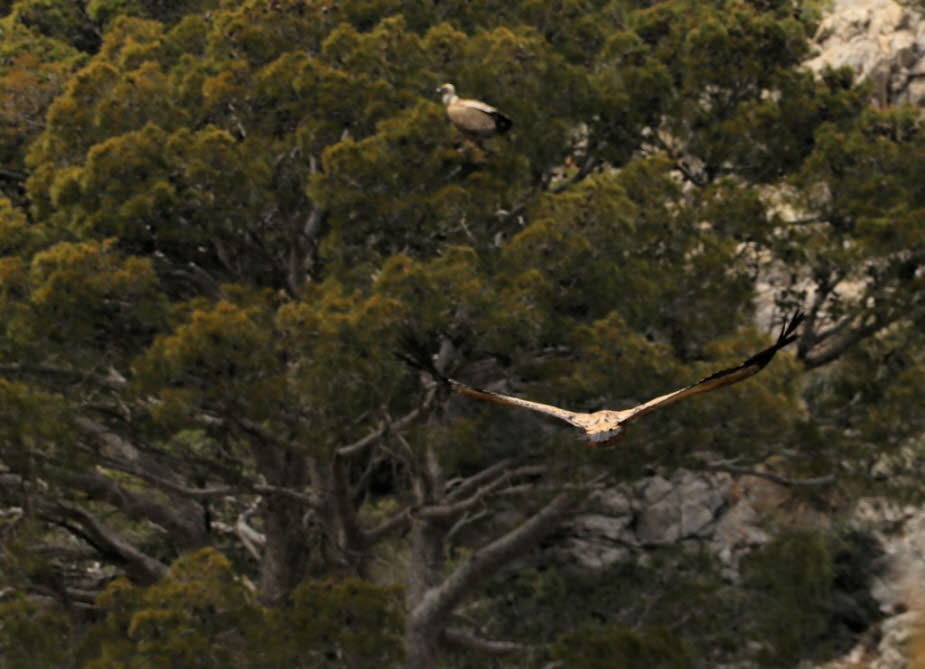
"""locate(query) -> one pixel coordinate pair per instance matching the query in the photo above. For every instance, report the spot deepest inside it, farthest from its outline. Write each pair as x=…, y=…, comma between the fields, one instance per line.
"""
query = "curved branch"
x=397, y=523
x=112, y=381
x=461, y=639
x=726, y=466
x=250, y=537
x=190, y=532
x=584, y=170
x=139, y=566
x=842, y=343
x=444, y=511
x=385, y=426
x=437, y=603
x=13, y=175
x=465, y=486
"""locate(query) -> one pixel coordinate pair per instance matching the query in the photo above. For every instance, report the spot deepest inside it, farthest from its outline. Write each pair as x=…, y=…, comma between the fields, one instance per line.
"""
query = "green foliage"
x=803, y=595
x=792, y=578
x=20, y=404
x=617, y=242
x=349, y=623
x=621, y=647
x=325, y=357
x=341, y=355
x=218, y=216
x=64, y=21
x=34, y=69
x=15, y=234
x=32, y=635
x=673, y=609
x=202, y=615
x=105, y=12
x=225, y=344
x=193, y=617
x=74, y=295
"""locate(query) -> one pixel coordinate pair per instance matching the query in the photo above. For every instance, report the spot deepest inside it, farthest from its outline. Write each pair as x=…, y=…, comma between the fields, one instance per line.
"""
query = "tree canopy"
x=217, y=218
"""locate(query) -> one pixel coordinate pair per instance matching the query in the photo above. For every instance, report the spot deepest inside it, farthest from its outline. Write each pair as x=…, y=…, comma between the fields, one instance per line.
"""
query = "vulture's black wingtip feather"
x=414, y=352
x=788, y=329
x=786, y=336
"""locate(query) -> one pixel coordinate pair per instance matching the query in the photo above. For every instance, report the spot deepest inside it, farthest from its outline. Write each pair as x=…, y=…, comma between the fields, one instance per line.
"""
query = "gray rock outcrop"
x=883, y=41
x=658, y=511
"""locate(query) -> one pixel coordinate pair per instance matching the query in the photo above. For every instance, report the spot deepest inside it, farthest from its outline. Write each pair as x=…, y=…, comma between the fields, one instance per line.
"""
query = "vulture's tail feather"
x=502, y=122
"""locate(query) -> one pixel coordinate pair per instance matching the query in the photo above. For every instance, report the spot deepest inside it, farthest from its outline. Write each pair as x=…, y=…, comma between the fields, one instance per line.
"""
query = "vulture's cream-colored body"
x=605, y=428
x=474, y=119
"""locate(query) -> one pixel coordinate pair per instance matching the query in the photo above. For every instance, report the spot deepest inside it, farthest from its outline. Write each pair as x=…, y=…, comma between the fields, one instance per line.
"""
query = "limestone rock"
x=881, y=40
x=679, y=509
x=657, y=511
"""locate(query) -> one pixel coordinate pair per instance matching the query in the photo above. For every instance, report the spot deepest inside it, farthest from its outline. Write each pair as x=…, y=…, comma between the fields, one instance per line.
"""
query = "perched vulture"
x=605, y=428
x=474, y=119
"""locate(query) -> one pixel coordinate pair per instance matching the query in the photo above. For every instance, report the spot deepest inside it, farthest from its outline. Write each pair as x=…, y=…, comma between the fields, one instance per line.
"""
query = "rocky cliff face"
x=883, y=41
x=706, y=508
x=901, y=533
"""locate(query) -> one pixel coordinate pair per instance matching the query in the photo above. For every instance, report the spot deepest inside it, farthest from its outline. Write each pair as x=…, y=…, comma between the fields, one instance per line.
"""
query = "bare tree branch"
x=385, y=426
x=431, y=612
x=303, y=248
x=397, y=523
x=250, y=537
x=258, y=430
x=467, y=519
x=127, y=456
x=842, y=343
x=460, y=487
x=140, y=567
x=354, y=538
x=71, y=552
x=728, y=467
x=113, y=444
x=307, y=499
x=467, y=641
x=583, y=171
x=13, y=175
x=189, y=531
x=446, y=511
x=111, y=381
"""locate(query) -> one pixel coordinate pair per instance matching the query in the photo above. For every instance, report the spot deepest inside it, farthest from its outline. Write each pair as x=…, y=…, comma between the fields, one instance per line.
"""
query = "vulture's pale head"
x=447, y=93
x=473, y=117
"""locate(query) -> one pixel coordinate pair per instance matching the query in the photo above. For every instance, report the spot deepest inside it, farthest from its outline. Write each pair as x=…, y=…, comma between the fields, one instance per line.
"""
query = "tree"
x=229, y=213
x=202, y=614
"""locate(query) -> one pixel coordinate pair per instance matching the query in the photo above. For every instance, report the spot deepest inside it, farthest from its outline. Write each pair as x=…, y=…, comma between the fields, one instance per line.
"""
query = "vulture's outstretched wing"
x=497, y=398
x=605, y=426
x=725, y=377
x=416, y=356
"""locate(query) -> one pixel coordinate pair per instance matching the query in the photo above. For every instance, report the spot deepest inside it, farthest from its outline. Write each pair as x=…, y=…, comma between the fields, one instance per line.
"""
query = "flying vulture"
x=475, y=119
x=605, y=427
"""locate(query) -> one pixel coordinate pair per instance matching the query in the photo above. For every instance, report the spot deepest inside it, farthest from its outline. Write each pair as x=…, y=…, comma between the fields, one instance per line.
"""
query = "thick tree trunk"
x=422, y=643
x=431, y=606
x=426, y=557
x=285, y=554
x=426, y=573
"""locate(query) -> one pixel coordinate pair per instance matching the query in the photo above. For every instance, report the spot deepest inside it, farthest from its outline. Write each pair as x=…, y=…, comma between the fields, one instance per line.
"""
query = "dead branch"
x=139, y=566
x=467, y=641
x=729, y=468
